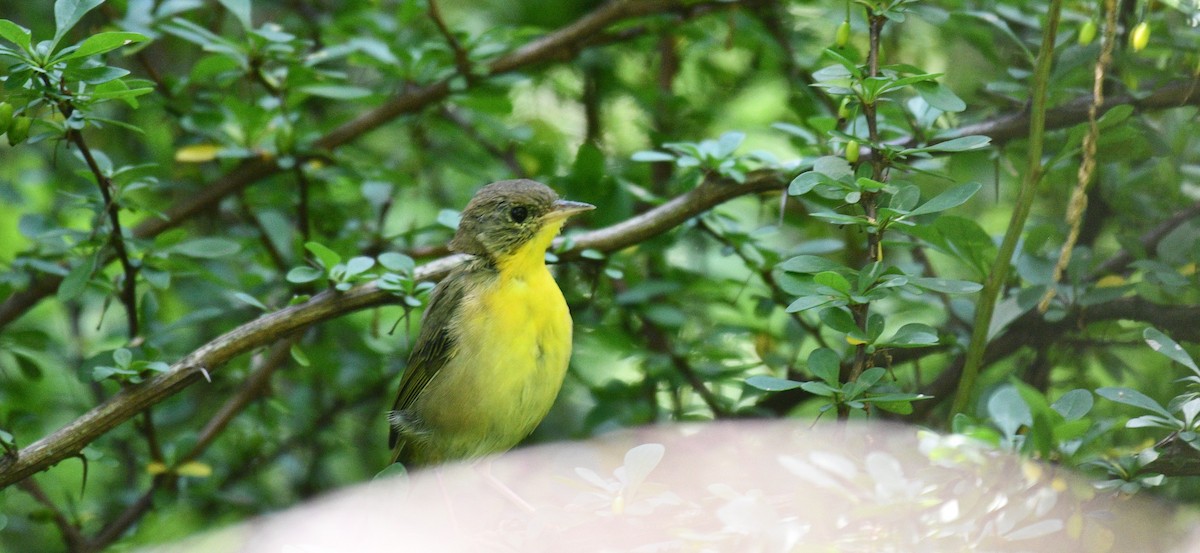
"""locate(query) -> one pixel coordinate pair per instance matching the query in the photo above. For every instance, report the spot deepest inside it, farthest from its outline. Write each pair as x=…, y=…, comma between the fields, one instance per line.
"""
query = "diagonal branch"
x=561, y=45
x=70, y=439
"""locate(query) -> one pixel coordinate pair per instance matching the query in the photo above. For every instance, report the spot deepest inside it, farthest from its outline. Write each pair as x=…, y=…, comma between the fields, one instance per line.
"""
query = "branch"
x=560, y=45
x=994, y=283
x=1176, y=458
x=461, y=60
x=1032, y=330
x=116, y=235
x=1016, y=125
x=70, y=439
x=70, y=532
x=1149, y=241
x=250, y=390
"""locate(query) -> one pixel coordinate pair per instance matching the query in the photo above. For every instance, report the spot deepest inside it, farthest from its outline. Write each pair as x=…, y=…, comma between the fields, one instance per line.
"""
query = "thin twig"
x=116, y=236
x=302, y=209
x=462, y=61
x=507, y=155
x=263, y=236
x=70, y=532
x=1149, y=241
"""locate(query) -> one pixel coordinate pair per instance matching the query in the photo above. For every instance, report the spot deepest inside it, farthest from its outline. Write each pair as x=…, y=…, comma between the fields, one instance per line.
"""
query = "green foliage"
x=182, y=173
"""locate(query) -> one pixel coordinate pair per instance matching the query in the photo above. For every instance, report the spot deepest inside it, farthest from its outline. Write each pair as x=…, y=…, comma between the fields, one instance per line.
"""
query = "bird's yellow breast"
x=513, y=337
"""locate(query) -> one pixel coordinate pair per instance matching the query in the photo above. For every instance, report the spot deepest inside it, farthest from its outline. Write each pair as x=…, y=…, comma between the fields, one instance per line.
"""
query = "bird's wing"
x=434, y=344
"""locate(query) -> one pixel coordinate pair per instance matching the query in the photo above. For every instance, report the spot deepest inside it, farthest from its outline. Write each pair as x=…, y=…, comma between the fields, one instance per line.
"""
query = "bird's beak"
x=566, y=208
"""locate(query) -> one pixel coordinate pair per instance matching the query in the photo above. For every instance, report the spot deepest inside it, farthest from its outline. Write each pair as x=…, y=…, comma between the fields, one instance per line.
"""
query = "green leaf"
x=122, y=357
x=359, y=265
x=871, y=376
x=1165, y=345
x=825, y=364
x=951, y=198
x=397, y=262
x=833, y=280
x=76, y=281
x=1074, y=404
x=103, y=42
x=805, y=182
x=913, y=335
x=207, y=247
x=937, y=95
x=15, y=34
x=771, y=383
x=335, y=92
x=650, y=156
x=810, y=264
x=29, y=365
x=839, y=319
x=301, y=275
x=1008, y=411
x=240, y=9
x=945, y=285
x=325, y=256
x=819, y=389
x=67, y=13
x=299, y=356
x=1133, y=397
x=250, y=300
x=834, y=167
x=808, y=302
x=960, y=144
x=449, y=218
x=1071, y=430
x=728, y=143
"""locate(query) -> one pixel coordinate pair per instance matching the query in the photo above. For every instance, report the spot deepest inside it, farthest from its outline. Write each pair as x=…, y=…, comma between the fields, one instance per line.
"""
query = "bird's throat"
x=530, y=258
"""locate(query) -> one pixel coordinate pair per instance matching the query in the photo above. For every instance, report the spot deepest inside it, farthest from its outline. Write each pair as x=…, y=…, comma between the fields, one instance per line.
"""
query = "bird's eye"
x=518, y=214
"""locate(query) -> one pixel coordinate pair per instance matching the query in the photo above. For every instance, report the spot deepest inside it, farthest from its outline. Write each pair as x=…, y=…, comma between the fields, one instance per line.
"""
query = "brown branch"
x=560, y=45
x=1032, y=330
x=1000, y=129
x=134, y=512
x=1016, y=125
x=70, y=439
x=1149, y=241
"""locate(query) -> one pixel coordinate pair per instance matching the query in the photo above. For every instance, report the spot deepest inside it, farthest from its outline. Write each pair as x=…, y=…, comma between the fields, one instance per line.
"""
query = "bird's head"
x=507, y=216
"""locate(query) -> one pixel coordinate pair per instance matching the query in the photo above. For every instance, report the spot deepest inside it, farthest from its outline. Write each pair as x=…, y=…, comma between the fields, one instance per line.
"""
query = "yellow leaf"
x=1032, y=471
x=197, y=153
x=155, y=468
x=1074, y=526
x=1188, y=270
x=1110, y=281
x=854, y=341
x=194, y=468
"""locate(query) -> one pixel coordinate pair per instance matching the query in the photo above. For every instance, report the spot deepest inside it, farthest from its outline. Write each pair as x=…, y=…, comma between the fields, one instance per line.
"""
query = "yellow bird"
x=496, y=337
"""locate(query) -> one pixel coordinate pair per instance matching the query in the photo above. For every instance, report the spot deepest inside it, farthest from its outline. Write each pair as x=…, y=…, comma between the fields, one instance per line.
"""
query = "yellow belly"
x=513, y=344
